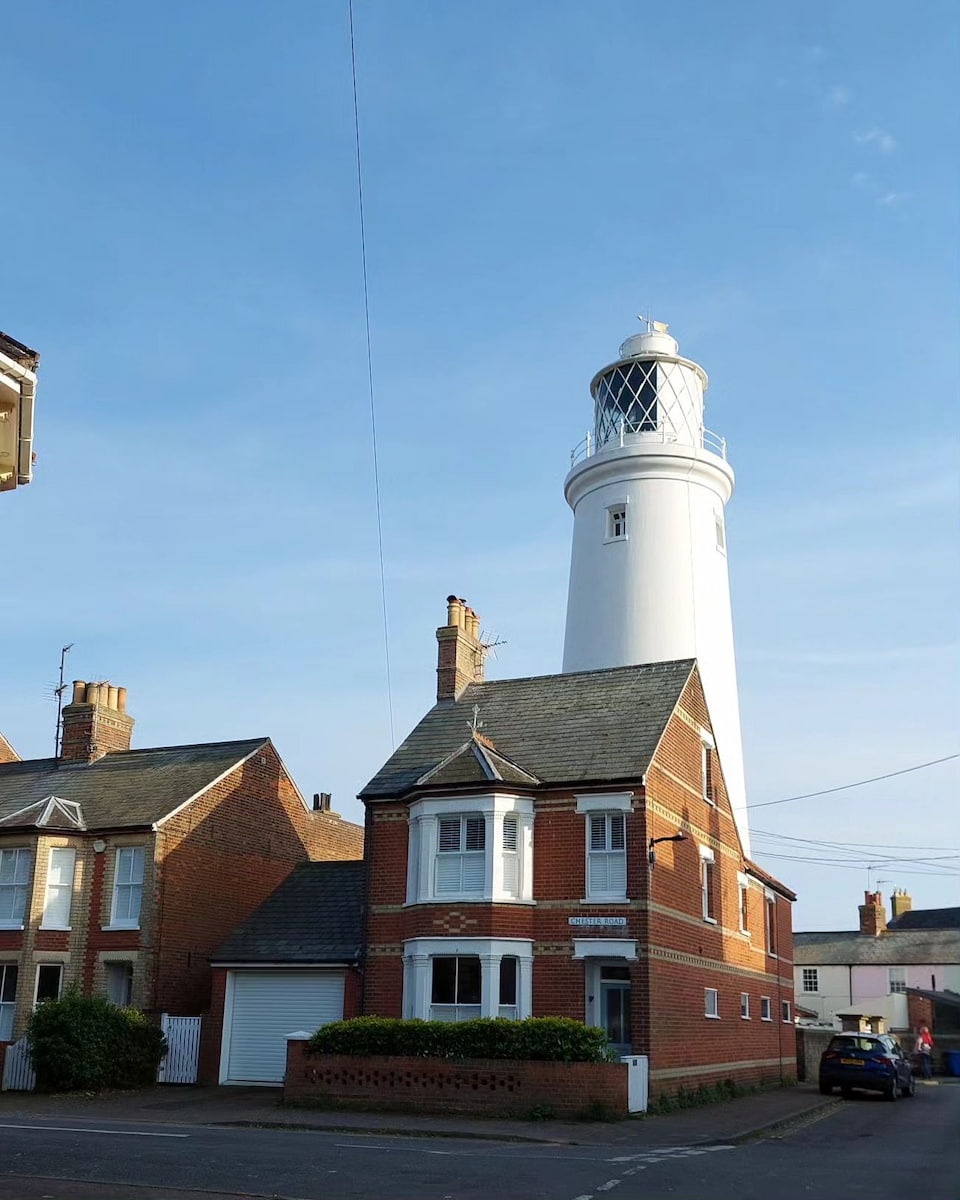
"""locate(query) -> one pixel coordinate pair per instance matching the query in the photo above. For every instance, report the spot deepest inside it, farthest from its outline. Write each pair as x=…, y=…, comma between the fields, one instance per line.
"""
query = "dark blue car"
x=870, y=1061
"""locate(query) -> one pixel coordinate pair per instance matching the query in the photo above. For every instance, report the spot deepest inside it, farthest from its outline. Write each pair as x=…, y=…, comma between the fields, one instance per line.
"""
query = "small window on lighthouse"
x=721, y=536
x=616, y=523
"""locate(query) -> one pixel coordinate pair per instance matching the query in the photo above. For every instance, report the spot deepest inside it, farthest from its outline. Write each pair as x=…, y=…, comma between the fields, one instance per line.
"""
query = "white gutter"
x=28, y=391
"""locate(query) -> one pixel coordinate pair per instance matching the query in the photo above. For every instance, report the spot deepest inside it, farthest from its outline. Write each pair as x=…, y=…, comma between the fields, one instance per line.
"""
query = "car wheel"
x=826, y=1089
x=909, y=1089
x=891, y=1091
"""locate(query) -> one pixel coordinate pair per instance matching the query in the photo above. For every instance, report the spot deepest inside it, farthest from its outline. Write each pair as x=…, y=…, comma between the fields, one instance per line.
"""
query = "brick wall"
x=489, y=1087
x=220, y=858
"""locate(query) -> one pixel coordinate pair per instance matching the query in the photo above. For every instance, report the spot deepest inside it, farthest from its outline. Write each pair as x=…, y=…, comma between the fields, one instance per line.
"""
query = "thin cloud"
x=884, y=142
x=859, y=179
x=839, y=95
x=892, y=199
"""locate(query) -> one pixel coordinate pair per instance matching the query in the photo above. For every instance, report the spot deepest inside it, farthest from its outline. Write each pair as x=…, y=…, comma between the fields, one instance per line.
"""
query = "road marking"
x=74, y=1129
x=549, y=1149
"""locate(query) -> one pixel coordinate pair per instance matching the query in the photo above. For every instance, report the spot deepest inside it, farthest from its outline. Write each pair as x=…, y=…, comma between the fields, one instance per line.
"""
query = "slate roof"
x=950, y=998
x=927, y=918
x=586, y=727
x=314, y=916
x=894, y=948
x=474, y=762
x=131, y=787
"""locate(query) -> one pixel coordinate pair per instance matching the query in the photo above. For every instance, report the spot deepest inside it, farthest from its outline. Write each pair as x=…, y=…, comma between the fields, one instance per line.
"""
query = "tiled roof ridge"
x=669, y=662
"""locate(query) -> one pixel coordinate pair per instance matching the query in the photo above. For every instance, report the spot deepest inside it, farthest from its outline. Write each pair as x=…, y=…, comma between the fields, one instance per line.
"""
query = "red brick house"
x=508, y=869
x=122, y=870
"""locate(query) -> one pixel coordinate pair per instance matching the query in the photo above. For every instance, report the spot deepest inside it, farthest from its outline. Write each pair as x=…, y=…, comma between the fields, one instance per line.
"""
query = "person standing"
x=924, y=1051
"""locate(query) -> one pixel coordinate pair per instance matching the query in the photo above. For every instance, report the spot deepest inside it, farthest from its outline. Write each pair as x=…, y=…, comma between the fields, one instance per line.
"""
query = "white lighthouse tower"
x=648, y=572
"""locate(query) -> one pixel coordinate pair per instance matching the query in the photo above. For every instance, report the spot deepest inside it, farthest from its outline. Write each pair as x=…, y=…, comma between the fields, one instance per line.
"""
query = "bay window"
x=460, y=978
x=471, y=849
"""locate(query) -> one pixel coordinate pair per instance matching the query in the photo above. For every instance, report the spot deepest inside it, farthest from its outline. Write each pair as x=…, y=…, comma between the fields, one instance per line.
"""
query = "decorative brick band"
x=492, y=1087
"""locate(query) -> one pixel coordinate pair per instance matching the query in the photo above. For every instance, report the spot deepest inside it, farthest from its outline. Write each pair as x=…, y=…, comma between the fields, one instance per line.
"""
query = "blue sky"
x=181, y=244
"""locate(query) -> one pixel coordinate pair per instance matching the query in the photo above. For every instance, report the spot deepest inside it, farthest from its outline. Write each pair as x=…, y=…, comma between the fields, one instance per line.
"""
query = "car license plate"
x=851, y=1062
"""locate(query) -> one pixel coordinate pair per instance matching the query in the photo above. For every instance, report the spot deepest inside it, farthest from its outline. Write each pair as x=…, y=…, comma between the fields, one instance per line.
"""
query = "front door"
x=615, y=1006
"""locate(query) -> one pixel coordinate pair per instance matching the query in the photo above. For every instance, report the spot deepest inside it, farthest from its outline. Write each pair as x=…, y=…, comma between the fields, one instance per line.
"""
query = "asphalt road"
x=865, y=1147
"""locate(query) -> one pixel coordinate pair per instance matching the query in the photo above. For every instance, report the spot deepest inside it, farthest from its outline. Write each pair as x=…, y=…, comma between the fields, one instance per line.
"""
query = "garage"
x=287, y=967
x=262, y=1007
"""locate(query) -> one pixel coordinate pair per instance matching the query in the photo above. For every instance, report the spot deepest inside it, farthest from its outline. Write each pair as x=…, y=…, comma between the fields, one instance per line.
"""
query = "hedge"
x=85, y=1043
x=547, y=1039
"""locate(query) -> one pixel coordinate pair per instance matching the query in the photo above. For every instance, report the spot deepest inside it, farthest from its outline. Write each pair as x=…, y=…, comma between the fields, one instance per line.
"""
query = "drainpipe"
x=850, y=981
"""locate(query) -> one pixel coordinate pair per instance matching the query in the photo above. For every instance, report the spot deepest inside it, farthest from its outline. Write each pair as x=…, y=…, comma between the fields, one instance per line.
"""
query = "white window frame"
x=765, y=1012
x=36, y=979
x=18, y=888
x=8, y=1008
x=785, y=1012
x=58, y=897
x=721, y=532
x=743, y=892
x=708, y=867
x=139, y=855
x=503, y=882
x=897, y=986
x=711, y=1003
x=614, y=828
x=463, y=861
x=744, y=1006
x=808, y=975
x=770, y=922
x=614, y=516
x=418, y=955
x=707, y=780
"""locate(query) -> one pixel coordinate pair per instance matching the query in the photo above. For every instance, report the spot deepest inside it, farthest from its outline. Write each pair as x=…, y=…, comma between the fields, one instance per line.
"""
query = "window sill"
x=114, y=928
x=609, y=901
x=707, y=800
x=712, y=1016
x=743, y=1018
x=769, y=1020
x=453, y=898
x=710, y=920
x=10, y=925
x=57, y=928
x=608, y=541
x=744, y=933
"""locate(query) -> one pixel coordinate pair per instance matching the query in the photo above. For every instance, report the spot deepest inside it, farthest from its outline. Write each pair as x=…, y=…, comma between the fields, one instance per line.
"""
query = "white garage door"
x=263, y=1007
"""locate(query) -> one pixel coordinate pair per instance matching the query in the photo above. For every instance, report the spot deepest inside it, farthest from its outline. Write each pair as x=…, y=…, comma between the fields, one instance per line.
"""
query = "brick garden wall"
x=487, y=1087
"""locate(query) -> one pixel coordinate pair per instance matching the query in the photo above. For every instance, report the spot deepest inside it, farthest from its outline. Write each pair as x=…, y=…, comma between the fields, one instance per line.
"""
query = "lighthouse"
x=648, y=569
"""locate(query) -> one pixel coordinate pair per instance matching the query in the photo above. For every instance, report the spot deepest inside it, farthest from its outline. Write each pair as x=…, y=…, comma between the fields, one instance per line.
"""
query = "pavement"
x=730, y=1121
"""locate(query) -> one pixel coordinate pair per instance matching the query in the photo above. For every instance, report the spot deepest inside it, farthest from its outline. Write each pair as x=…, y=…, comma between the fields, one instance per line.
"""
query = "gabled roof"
x=927, y=918
x=7, y=752
x=52, y=813
x=952, y=999
x=314, y=916
x=893, y=948
x=582, y=728
x=476, y=762
x=767, y=878
x=131, y=787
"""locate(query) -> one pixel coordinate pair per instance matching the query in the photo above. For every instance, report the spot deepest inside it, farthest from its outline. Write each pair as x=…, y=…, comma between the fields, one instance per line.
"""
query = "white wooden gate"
x=179, y=1064
x=18, y=1073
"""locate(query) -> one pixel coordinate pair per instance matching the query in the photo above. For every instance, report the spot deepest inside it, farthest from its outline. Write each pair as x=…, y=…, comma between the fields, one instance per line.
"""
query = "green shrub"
x=548, y=1039
x=85, y=1043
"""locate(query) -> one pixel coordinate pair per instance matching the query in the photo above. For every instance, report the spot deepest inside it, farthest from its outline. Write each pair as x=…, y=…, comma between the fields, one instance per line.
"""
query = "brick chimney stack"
x=900, y=903
x=95, y=722
x=460, y=652
x=873, y=916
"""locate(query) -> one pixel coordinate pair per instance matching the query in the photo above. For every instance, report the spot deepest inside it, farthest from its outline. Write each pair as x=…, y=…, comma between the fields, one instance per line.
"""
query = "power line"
x=373, y=410
x=860, y=783
x=846, y=865
x=785, y=837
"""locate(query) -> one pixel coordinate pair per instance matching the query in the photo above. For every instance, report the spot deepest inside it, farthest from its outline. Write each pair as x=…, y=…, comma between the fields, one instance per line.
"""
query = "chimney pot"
x=460, y=659
x=873, y=916
x=95, y=722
